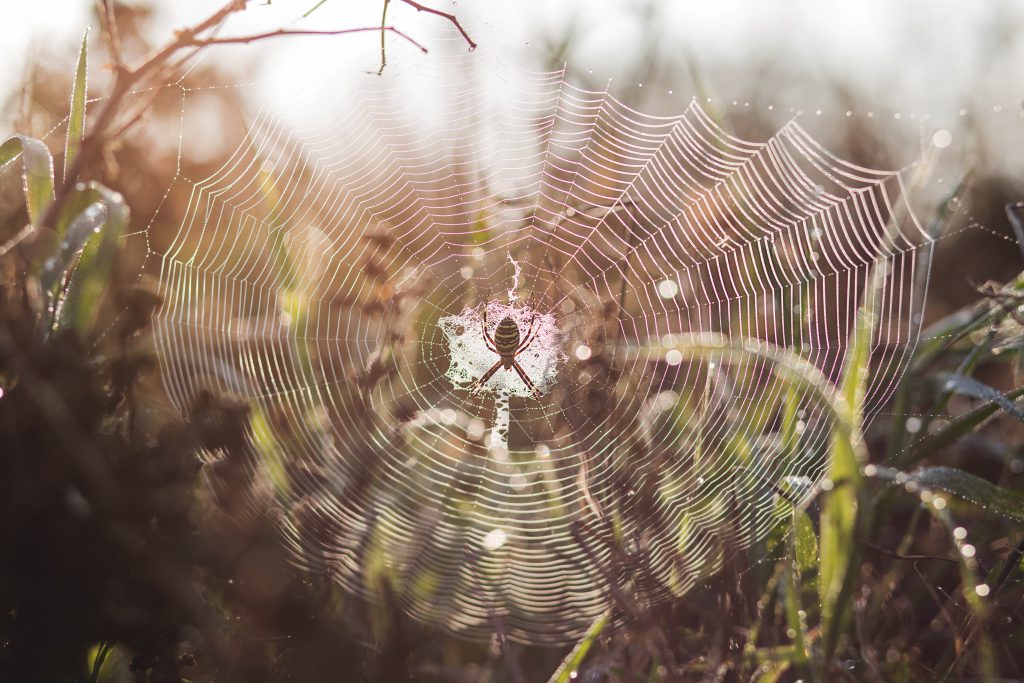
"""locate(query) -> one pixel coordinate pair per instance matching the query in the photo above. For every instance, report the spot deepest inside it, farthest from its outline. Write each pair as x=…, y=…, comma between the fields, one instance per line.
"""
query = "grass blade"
x=76, y=119
x=569, y=666
x=839, y=517
x=36, y=175
x=955, y=430
x=962, y=485
x=968, y=386
x=89, y=280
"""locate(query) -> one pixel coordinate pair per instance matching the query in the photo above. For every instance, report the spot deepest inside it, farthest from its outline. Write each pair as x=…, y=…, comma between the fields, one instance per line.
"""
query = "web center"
x=517, y=352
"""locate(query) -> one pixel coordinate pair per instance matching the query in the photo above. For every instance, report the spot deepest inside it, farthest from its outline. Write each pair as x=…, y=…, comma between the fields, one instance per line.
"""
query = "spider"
x=507, y=345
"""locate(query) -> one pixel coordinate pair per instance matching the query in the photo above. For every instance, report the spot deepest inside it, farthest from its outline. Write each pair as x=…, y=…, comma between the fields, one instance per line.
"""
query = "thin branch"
x=383, y=49
x=900, y=556
x=450, y=17
x=234, y=40
x=109, y=21
x=143, y=109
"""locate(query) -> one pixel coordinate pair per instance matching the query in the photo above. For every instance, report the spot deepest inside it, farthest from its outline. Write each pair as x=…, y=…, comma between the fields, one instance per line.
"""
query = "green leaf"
x=805, y=543
x=803, y=550
x=968, y=386
x=962, y=485
x=76, y=119
x=955, y=430
x=572, y=661
x=839, y=517
x=89, y=280
x=36, y=175
x=81, y=229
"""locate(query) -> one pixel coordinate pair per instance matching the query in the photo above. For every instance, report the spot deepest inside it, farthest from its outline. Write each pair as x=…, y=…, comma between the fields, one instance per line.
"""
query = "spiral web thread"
x=328, y=276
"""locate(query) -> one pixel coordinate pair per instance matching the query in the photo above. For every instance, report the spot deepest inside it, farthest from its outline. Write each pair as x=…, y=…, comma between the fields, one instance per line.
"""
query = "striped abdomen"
x=506, y=340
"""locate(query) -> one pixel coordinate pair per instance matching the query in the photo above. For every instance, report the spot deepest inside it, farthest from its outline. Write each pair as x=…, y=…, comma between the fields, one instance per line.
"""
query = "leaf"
x=87, y=283
x=968, y=386
x=955, y=430
x=803, y=550
x=76, y=119
x=805, y=543
x=962, y=485
x=839, y=516
x=572, y=661
x=82, y=227
x=36, y=175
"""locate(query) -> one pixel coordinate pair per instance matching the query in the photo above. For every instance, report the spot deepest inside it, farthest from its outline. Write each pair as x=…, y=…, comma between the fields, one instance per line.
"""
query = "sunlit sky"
x=938, y=58
x=927, y=53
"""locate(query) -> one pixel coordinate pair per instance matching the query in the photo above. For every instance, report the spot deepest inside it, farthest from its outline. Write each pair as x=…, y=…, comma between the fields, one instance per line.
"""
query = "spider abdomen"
x=506, y=339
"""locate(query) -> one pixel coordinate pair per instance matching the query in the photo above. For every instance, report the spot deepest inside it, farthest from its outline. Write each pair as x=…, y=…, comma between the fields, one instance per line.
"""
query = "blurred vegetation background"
x=126, y=554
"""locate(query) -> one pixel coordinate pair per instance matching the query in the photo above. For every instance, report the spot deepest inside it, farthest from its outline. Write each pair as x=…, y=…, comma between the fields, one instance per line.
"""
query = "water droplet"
x=583, y=352
x=494, y=539
x=942, y=138
x=674, y=357
x=960, y=533
x=667, y=289
x=475, y=429
x=982, y=589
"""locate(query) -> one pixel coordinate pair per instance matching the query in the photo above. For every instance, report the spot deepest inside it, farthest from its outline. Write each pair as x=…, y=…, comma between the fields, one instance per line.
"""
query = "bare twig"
x=113, y=36
x=450, y=17
x=383, y=52
x=233, y=40
x=900, y=556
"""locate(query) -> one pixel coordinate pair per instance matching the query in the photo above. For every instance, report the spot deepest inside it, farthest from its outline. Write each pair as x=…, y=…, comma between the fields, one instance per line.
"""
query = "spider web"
x=335, y=278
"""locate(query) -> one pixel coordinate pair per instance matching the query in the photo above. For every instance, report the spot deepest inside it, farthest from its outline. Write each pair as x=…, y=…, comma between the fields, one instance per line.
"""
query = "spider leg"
x=529, y=339
x=526, y=380
x=479, y=384
x=488, y=342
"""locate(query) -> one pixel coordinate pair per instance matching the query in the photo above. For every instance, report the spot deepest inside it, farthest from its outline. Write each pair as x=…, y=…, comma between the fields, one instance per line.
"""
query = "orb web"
x=336, y=279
